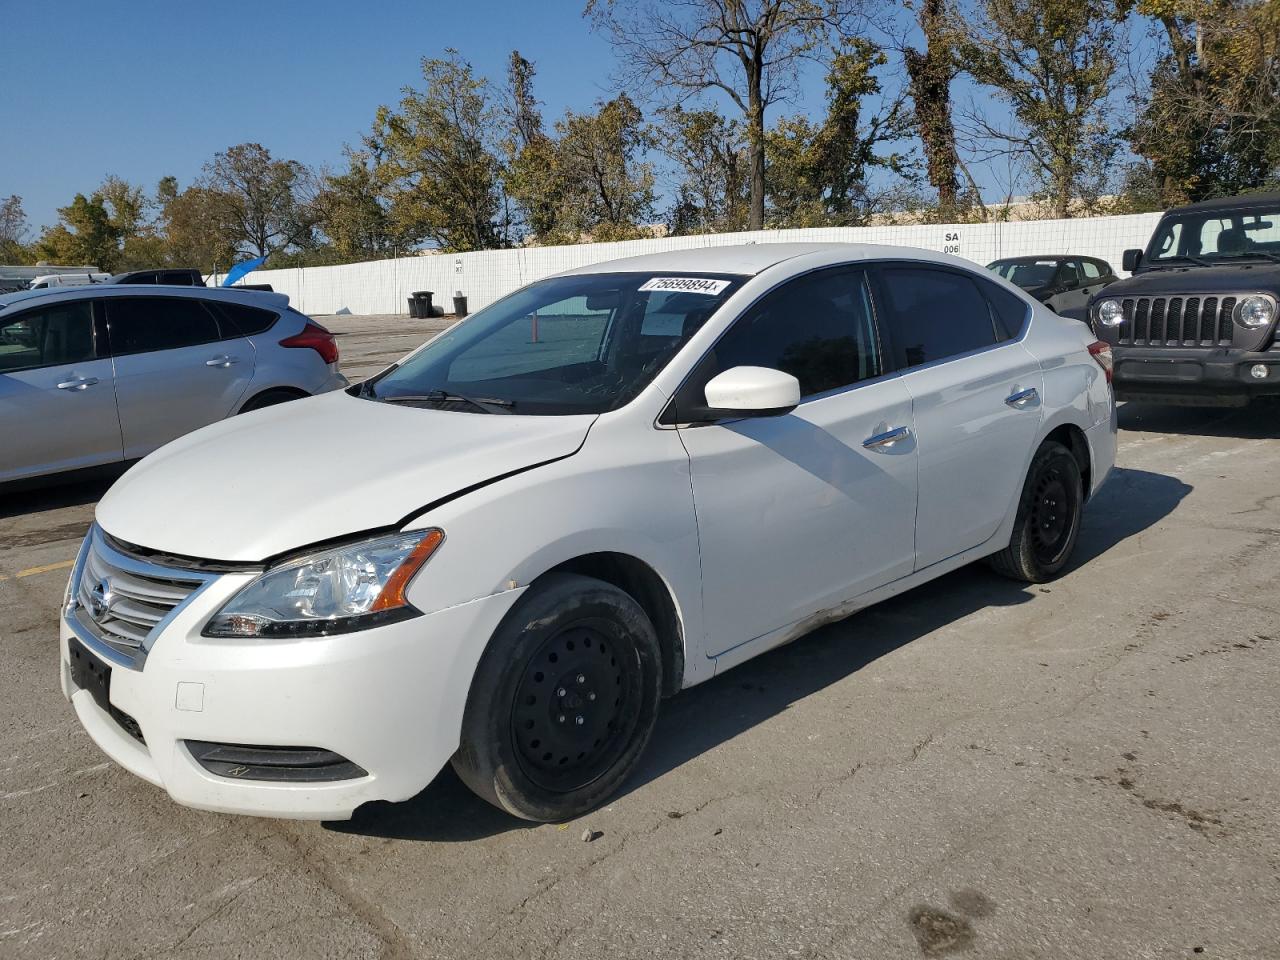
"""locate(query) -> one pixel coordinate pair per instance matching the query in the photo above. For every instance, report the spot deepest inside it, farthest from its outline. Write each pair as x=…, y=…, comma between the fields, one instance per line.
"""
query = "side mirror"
x=752, y=392
x=1131, y=260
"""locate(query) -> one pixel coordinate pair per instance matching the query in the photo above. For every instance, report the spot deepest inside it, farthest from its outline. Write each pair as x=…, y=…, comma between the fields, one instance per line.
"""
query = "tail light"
x=1101, y=352
x=318, y=339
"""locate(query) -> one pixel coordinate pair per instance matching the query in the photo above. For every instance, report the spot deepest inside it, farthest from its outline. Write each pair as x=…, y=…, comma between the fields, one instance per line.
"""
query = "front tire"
x=563, y=702
x=1048, y=521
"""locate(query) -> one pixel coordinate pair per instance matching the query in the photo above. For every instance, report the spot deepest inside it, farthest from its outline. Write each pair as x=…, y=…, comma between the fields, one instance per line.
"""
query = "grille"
x=121, y=599
x=1177, y=321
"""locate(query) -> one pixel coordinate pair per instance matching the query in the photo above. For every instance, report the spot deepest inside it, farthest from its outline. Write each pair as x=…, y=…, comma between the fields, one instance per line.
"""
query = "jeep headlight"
x=1110, y=313
x=1254, y=312
x=347, y=588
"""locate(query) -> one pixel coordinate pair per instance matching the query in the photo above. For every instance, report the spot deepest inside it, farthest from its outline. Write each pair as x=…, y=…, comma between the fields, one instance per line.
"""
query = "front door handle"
x=222, y=361
x=1023, y=398
x=79, y=383
x=887, y=438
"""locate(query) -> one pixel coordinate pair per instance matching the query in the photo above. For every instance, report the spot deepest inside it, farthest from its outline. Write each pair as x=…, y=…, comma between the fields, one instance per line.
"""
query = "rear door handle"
x=222, y=361
x=79, y=383
x=887, y=438
x=1023, y=398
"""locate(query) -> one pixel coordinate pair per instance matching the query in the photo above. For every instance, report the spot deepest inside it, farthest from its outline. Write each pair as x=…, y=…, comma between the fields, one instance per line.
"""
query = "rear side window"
x=818, y=328
x=934, y=314
x=178, y=278
x=1091, y=270
x=62, y=333
x=1008, y=309
x=245, y=321
x=146, y=324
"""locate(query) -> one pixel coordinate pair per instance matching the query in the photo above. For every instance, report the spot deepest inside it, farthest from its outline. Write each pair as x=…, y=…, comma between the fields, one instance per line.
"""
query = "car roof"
x=1229, y=203
x=749, y=259
x=254, y=298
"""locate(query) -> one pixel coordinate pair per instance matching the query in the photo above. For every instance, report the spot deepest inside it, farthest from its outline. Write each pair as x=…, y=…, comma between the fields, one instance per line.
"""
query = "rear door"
x=976, y=395
x=179, y=366
x=57, y=400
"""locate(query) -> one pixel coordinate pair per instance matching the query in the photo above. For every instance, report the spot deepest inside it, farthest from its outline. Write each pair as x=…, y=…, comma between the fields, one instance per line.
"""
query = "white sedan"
x=506, y=549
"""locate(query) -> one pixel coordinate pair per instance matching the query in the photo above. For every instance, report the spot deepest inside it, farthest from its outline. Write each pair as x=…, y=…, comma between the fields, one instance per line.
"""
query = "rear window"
x=246, y=321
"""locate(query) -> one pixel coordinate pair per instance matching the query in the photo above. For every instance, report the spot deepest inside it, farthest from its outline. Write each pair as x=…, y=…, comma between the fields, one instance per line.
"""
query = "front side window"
x=146, y=324
x=57, y=334
x=819, y=328
x=567, y=345
x=934, y=314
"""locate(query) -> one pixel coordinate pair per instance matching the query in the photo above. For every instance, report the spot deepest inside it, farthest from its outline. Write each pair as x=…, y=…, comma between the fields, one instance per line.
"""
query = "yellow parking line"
x=46, y=568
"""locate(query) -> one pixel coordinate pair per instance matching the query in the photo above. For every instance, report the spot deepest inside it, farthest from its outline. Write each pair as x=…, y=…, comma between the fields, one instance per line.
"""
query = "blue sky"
x=143, y=88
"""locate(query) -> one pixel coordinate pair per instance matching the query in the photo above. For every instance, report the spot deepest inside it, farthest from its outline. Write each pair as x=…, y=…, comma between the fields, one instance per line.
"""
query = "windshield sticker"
x=712, y=288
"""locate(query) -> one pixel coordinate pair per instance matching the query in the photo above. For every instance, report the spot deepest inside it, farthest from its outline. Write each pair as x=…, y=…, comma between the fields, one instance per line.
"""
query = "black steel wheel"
x=1048, y=520
x=573, y=711
x=563, y=702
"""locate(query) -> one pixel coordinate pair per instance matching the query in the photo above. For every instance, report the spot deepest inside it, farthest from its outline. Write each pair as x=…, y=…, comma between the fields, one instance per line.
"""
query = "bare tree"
x=749, y=50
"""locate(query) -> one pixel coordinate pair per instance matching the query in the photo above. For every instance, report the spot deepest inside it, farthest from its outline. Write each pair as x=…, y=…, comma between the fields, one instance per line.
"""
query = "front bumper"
x=389, y=699
x=1191, y=375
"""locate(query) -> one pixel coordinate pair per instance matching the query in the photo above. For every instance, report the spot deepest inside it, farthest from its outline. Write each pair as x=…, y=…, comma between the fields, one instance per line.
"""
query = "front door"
x=976, y=396
x=57, y=399
x=177, y=369
x=801, y=512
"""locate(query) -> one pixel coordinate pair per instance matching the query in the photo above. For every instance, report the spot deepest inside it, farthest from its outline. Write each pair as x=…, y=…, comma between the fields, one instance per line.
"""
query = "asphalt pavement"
x=1087, y=769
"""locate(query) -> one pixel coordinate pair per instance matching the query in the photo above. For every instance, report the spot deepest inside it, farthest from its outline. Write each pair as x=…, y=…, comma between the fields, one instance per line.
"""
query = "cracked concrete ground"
x=1088, y=769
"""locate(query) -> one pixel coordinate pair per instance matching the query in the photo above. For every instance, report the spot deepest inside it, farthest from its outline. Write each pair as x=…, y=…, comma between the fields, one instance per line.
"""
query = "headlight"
x=1255, y=312
x=1110, y=313
x=353, y=587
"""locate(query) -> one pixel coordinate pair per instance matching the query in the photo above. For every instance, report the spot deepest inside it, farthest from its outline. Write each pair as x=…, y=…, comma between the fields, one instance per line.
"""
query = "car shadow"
x=52, y=493
x=712, y=713
x=1258, y=421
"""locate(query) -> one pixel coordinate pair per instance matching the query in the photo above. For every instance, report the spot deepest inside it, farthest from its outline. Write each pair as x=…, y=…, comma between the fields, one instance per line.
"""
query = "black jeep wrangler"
x=1196, y=323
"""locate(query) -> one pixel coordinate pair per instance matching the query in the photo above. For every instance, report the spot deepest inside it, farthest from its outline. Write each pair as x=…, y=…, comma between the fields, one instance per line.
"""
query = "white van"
x=67, y=280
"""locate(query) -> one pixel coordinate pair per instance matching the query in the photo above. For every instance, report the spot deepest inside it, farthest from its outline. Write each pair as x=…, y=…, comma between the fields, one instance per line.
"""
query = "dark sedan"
x=1063, y=284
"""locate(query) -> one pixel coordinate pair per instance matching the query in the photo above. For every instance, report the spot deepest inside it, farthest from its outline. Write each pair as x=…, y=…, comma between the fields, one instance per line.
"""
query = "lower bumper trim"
x=278, y=764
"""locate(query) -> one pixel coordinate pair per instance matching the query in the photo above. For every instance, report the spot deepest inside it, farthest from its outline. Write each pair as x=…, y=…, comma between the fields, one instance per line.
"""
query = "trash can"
x=424, y=302
x=459, y=304
x=415, y=308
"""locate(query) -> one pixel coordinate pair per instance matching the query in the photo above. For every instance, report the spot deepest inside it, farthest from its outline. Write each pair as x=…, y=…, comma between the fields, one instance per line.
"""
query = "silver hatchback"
x=101, y=374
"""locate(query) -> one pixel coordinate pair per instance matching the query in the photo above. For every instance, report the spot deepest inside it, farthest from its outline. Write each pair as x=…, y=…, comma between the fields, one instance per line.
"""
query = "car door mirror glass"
x=752, y=391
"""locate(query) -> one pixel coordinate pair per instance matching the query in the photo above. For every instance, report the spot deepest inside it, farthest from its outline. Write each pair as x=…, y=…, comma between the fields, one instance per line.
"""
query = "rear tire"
x=269, y=398
x=1047, y=524
x=563, y=702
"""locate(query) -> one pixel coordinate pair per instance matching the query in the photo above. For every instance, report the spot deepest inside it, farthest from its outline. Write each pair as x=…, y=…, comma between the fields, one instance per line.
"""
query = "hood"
x=268, y=482
x=1250, y=275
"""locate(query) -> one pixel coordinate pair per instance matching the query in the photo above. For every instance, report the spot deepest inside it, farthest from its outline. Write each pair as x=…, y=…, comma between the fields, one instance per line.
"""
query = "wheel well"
x=1073, y=438
x=639, y=580
x=291, y=392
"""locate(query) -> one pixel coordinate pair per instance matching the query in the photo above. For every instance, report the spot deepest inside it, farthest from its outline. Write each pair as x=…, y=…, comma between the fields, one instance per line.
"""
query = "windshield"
x=1027, y=275
x=580, y=344
x=1217, y=235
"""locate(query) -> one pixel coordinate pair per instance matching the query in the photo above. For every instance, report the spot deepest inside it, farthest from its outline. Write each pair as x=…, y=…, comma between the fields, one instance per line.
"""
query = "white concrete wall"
x=382, y=286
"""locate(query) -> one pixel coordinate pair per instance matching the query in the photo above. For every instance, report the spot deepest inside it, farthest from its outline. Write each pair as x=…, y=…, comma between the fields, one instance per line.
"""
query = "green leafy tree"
x=197, y=226
x=930, y=72
x=270, y=203
x=747, y=50
x=821, y=170
x=709, y=153
x=13, y=231
x=1052, y=62
x=437, y=155
x=107, y=229
x=354, y=213
x=606, y=191
x=530, y=175
x=1210, y=125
